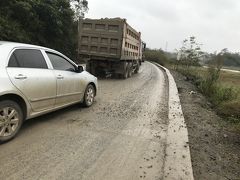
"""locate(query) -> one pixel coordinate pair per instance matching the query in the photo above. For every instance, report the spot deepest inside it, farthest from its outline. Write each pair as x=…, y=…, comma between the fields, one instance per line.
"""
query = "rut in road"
x=123, y=136
x=139, y=122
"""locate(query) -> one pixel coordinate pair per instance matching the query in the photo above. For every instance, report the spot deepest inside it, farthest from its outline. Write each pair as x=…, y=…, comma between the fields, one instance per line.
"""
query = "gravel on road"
x=122, y=136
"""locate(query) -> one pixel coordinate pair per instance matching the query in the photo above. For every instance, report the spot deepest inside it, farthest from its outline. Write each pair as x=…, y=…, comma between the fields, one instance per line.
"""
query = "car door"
x=70, y=86
x=29, y=72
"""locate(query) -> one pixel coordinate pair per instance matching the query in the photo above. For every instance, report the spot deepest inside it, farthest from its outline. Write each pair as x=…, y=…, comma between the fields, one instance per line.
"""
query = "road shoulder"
x=214, y=145
x=178, y=160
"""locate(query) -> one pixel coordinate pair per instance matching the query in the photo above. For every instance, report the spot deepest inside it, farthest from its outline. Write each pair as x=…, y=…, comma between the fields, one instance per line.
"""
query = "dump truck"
x=110, y=46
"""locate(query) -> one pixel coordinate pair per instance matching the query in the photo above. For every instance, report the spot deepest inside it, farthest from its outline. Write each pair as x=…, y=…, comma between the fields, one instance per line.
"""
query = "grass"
x=222, y=89
x=232, y=68
x=230, y=79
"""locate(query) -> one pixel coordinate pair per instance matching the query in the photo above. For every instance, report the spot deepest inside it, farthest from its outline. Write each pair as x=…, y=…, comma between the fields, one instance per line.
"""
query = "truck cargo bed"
x=109, y=45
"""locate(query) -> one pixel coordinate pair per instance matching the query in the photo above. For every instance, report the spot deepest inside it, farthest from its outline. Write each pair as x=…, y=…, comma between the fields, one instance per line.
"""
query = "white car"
x=36, y=80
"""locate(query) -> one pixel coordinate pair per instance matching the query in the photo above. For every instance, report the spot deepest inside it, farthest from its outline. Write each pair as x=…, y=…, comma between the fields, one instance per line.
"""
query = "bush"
x=224, y=98
x=207, y=88
x=223, y=94
x=156, y=55
x=216, y=92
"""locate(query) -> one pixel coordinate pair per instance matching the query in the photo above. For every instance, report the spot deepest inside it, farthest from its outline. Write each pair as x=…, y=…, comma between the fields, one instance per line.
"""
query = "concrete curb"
x=178, y=159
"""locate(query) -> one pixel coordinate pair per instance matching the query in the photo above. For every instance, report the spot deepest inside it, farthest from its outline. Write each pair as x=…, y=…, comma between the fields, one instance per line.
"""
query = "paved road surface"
x=122, y=136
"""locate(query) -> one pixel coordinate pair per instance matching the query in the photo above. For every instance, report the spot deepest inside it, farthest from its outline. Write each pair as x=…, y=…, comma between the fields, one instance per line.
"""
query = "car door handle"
x=20, y=76
x=60, y=77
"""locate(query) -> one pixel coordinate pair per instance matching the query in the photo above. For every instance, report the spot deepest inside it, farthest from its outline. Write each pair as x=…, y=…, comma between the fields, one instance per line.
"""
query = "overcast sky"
x=215, y=23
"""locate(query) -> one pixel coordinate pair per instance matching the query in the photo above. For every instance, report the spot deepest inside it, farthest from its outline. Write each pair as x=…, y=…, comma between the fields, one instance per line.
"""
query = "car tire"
x=89, y=96
x=11, y=119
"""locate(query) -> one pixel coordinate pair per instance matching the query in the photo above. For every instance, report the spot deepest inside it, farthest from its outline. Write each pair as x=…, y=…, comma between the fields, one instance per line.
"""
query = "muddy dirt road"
x=122, y=136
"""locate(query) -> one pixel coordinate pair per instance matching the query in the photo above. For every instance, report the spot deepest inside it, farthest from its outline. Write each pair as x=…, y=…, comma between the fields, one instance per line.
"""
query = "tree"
x=215, y=66
x=228, y=58
x=80, y=7
x=190, y=52
x=48, y=23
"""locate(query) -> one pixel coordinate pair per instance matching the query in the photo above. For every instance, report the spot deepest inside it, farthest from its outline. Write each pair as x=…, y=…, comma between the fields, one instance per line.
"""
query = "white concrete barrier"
x=178, y=164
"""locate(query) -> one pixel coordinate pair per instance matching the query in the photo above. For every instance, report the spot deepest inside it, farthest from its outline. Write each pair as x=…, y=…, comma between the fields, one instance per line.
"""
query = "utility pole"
x=78, y=39
x=166, y=46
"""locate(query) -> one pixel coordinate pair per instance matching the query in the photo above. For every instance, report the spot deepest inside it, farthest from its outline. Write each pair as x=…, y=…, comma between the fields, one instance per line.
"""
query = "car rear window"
x=13, y=61
x=27, y=58
x=60, y=63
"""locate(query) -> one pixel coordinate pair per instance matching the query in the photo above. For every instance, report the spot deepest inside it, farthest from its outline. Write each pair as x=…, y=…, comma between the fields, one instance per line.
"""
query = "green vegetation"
x=50, y=23
x=190, y=53
x=221, y=87
x=156, y=55
x=229, y=59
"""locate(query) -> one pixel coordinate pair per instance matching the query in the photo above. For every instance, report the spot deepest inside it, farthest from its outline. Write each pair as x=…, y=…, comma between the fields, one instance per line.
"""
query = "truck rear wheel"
x=130, y=70
x=125, y=74
x=137, y=68
x=91, y=68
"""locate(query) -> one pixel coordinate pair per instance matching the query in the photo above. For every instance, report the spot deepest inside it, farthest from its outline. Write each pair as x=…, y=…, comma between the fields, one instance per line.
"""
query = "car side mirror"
x=80, y=69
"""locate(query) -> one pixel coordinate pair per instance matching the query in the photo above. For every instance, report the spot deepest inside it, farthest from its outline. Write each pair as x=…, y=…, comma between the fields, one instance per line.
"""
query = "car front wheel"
x=11, y=119
x=89, y=95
